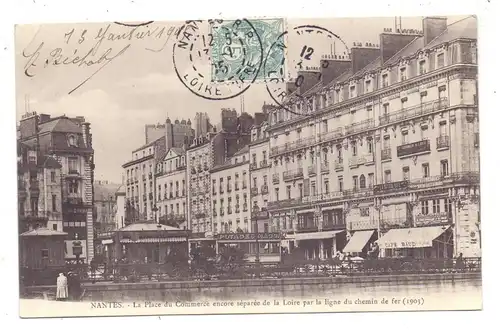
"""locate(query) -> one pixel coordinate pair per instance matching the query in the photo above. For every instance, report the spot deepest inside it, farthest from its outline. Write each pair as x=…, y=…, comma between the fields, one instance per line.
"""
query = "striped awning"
x=418, y=237
x=315, y=235
x=106, y=241
x=358, y=241
x=153, y=240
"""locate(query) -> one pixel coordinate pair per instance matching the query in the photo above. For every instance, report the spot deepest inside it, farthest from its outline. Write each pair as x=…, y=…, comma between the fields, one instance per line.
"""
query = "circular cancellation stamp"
x=216, y=59
x=307, y=46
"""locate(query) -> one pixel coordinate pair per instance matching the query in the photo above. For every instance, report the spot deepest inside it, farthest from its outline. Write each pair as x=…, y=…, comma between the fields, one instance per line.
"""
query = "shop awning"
x=153, y=240
x=358, y=241
x=411, y=237
x=315, y=235
x=106, y=241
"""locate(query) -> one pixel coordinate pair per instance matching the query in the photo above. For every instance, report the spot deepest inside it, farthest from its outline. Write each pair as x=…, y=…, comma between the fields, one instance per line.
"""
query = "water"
x=432, y=289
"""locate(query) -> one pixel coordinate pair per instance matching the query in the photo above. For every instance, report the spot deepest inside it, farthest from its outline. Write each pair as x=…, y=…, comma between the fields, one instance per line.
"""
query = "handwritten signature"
x=93, y=56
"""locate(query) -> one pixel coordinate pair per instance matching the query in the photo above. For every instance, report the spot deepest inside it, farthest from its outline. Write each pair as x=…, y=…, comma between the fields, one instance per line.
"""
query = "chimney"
x=44, y=118
x=310, y=78
x=391, y=43
x=362, y=56
x=290, y=87
x=331, y=69
x=432, y=27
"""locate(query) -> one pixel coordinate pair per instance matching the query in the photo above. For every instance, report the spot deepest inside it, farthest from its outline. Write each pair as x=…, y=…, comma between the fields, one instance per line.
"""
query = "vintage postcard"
x=248, y=165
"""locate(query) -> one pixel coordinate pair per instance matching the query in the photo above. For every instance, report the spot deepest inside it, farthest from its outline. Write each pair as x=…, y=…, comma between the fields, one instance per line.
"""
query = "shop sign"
x=413, y=148
x=407, y=244
x=249, y=236
x=392, y=186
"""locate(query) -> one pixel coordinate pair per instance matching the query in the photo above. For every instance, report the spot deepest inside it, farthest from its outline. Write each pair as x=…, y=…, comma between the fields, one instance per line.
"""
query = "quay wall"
x=246, y=288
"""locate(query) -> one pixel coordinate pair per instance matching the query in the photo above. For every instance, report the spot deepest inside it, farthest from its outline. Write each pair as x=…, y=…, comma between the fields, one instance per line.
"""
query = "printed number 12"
x=307, y=55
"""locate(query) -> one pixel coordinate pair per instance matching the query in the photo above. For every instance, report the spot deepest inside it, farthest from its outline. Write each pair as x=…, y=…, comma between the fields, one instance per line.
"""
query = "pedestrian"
x=62, y=288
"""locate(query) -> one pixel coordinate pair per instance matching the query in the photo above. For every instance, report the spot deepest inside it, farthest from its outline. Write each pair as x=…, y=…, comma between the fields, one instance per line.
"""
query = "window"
x=341, y=183
x=425, y=207
x=406, y=173
x=301, y=190
x=440, y=60
x=436, y=207
x=387, y=142
x=444, y=168
x=254, y=159
x=45, y=253
x=421, y=67
x=385, y=80
x=354, y=146
x=369, y=145
x=404, y=136
x=277, y=194
x=288, y=192
x=424, y=132
x=327, y=186
x=386, y=109
x=362, y=182
x=425, y=170
x=387, y=176
x=72, y=141
x=313, y=188
x=54, y=203
x=368, y=86
x=442, y=128
x=325, y=125
x=52, y=176
x=54, y=226
x=370, y=180
x=339, y=152
x=352, y=91
x=73, y=187
x=447, y=206
x=404, y=100
x=73, y=164
x=402, y=74
x=355, y=182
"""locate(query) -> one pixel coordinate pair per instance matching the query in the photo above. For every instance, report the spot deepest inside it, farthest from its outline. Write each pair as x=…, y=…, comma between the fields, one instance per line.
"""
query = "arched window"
x=362, y=181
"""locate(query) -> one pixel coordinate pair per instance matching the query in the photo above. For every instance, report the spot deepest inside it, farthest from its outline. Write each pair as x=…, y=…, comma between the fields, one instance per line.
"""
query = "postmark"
x=237, y=66
x=311, y=44
x=225, y=50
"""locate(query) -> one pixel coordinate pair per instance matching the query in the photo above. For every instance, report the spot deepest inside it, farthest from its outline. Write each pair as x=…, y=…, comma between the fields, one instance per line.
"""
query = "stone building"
x=388, y=146
x=68, y=141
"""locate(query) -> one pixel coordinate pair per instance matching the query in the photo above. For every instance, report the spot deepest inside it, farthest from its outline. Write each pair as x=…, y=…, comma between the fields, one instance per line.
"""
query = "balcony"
x=136, y=180
x=221, y=190
x=386, y=154
x=151, y=196
x=410, y=149
x=221, y=211
x=264, y=189
x=353, y=162
x=150, y=175
x=205, y=166
x=263, y=163
x=229, y=210
x=245, y=207
x=339, y=165
x=367, y=159
x=305, y=228
x=198, y=168
x=414, y=111
x=476, y=140
x=253, y=166
x=443, y=142
x=291, y=146
x=325, y=168
x=214, y=191
x=442, y=218
x=331, y=135
x=236, y=187
x=293, y=174
x=276, y=178
x=237, y=209
x=392, y=223
x=330, y=225
x=214, y=212
x=391, y=187
x=144, y=177
x=359, y=127
x=244, y=185
x=144, y=197
x=73, y=172
x=284, y=203
x=311, y=170
x=229, y=188
x=254, y=191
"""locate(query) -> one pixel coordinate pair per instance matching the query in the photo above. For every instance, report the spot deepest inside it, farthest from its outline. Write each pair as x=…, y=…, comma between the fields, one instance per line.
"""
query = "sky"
x=139, y=85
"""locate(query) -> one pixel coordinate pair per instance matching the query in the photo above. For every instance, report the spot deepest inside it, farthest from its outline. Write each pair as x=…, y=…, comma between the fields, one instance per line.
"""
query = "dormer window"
x=385, y=80
x=368, y=86
x=352, y=91
x=402, y=74
x=422, y=67
x=72, y=141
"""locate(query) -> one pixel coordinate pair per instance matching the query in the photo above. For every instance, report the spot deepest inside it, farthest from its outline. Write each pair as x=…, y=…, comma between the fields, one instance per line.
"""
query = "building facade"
x=230, y=193
x=171, y=192
x=69, y=142
x=259, y=178
x=140, y=181
x=384, y=146
x=202, y=124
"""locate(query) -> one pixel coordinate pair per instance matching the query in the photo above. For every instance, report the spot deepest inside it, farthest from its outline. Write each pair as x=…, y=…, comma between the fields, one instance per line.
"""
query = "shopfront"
x=359, y=243
x=265, y=247
x=434, y=242
x=317, y=245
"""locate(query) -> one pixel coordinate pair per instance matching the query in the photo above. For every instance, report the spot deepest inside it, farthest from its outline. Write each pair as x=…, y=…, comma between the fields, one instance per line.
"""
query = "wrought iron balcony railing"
x=254, y=191
x=325, y=168
x=339, y=165
x=360, y=126
x=264, y=189
x=415, y=111
x=293, y=174
x=386, y=154
x=443, y=142
x=311, y=170
x=276, y=178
